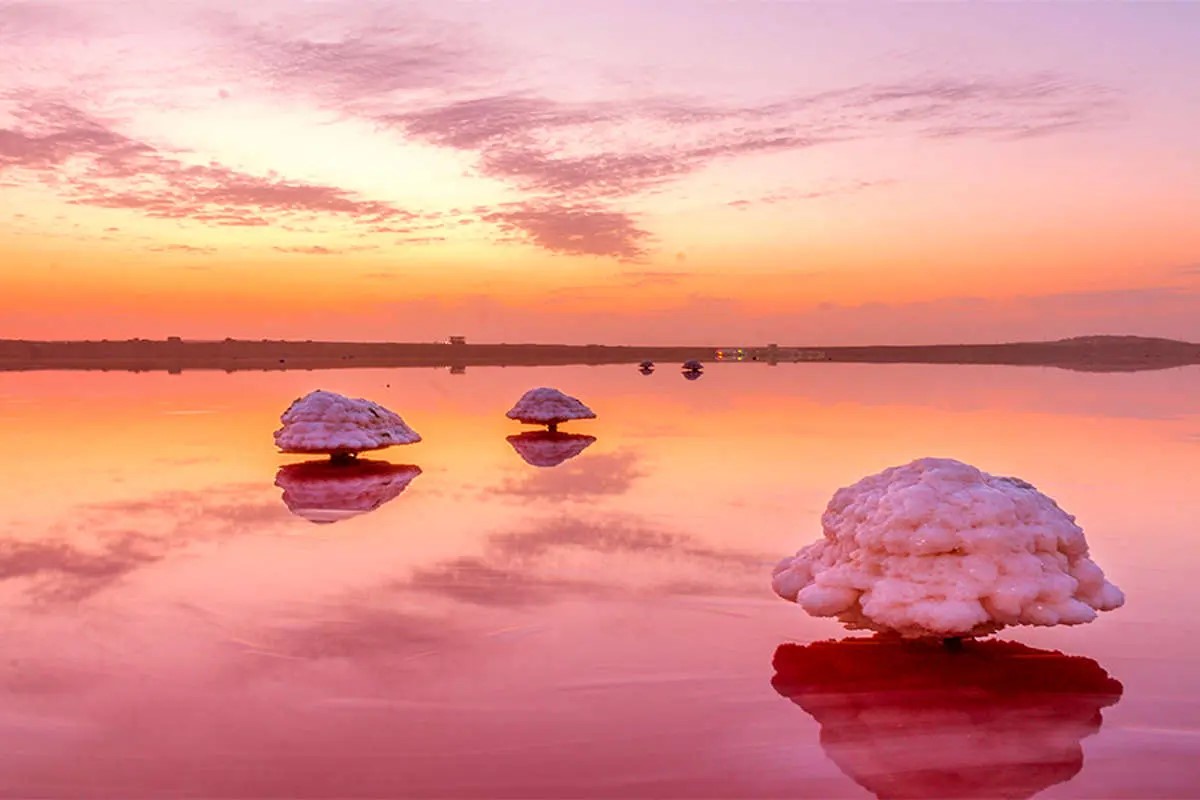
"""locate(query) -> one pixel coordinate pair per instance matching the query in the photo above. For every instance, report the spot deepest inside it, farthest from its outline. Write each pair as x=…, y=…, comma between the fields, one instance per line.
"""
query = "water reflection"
x=600, y=475
x=908, y=719
x=325, y=491
x=692, y=375
x=547, y=448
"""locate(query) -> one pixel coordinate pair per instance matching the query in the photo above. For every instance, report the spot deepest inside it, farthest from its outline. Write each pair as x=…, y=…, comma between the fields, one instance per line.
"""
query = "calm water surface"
x=182, y=617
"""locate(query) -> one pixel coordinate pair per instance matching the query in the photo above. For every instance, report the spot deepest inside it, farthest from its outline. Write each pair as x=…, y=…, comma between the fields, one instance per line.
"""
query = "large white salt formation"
x=545, y=406
x=327, y=422
x=938, y=548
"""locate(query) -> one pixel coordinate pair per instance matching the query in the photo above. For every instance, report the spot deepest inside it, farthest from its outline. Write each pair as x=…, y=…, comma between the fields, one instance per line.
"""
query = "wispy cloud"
x=19, y=20
x=1033, y=105
x=789, y=196
x=321, y=250
x=184, y=248
x=473, y=124
x=573, y=229
x=575, y=163
x=89, y=163
x=515, y=134
x=573, y=154
x=364, y=63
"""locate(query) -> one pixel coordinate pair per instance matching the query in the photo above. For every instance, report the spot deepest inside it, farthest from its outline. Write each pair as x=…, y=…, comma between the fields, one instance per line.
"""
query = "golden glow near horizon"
x=403, y=171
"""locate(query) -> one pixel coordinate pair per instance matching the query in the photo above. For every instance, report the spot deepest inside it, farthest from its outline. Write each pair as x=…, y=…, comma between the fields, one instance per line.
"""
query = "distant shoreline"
x=1091, y=353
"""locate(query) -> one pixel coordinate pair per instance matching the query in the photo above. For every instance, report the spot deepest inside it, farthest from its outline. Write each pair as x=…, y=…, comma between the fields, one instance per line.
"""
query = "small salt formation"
x=937, y=548
x=549, y=407
x=327, y=422
x=546, y=449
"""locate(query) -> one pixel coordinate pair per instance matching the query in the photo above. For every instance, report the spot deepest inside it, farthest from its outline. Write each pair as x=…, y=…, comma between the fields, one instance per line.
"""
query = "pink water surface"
x=604, y=627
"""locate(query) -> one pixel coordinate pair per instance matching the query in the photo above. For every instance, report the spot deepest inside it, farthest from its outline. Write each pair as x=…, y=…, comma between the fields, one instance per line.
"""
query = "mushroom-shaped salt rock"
x=549, y=407
x=549, y=449
x=907, y=719
x=324, y=492
x=692, y=365
x=327, y=422
x=937, y=548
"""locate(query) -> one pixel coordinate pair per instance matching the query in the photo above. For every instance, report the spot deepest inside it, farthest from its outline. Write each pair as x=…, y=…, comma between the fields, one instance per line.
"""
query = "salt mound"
x=546, y=406
x=327, y=422
x=910, y=719
x=939, y=548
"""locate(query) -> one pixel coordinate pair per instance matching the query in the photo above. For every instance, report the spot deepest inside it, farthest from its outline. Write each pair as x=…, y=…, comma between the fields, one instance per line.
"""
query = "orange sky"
x=774, y=172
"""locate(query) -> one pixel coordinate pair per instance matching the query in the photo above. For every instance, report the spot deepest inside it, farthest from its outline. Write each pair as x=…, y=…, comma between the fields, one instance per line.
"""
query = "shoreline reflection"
x=324, y=492
x=911, y=719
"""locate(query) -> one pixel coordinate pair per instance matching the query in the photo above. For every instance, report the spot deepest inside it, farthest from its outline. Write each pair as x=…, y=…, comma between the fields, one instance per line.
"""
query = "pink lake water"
x=175, y=624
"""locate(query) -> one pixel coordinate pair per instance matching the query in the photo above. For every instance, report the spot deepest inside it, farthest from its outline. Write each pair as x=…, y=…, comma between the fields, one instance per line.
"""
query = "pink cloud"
x=109, y=170
x=184, y=248
x=573, y=229
x=316, y=52
x=321, y=250
x=788, y=196
x=513, y=133
x=519, y=139
x=471, y=124
x=19, y=20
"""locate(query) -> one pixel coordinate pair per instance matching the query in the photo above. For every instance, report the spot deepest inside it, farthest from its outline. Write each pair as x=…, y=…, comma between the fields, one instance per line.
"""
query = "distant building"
x=458, y=340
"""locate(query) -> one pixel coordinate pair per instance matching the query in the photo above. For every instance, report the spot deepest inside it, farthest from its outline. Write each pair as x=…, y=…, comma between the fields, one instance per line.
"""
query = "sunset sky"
x=622, y=172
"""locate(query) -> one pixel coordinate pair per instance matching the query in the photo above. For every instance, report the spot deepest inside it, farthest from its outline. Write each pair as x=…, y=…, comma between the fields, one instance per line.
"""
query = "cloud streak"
x=91, y=164
x=575, y=163
x=347, y=59
x=589, y=230
x=516, y=135
x=572, y=155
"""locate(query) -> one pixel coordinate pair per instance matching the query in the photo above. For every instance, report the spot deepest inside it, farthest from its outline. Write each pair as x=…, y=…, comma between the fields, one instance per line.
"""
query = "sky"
x=616, y=172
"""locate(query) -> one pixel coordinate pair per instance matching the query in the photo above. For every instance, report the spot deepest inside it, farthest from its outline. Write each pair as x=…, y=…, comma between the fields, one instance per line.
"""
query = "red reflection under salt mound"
x=324, y=491
x=913, y=719
x=549, y=449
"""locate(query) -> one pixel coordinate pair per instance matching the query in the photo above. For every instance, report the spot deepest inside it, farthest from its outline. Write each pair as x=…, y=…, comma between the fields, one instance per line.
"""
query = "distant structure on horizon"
x=457, y=340
x=771, y=354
